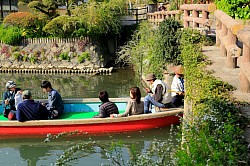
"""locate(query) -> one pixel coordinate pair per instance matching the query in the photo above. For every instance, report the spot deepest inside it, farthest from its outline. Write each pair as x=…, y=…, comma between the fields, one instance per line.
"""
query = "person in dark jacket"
x=30, y=110
x=107, y=107
x=55, y=103
x=9, y=100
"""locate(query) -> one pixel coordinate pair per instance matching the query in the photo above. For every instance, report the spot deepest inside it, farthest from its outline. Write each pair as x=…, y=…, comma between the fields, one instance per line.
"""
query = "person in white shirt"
x=158, y=94
x=177, y=86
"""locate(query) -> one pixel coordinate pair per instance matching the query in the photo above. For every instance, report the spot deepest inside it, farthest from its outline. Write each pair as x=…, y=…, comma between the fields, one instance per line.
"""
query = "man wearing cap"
x=177, y=86
x=30, y=109
x=9, y=100
x=158, y=95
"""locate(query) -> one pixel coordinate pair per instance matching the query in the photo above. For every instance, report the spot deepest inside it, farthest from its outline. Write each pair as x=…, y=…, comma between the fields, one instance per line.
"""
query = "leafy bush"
x=17, y=55
x=236, y=9
x=100, y=18
x=168, y=38
x=150, y=50
x=83, y=57
x=20, y=19
x=211, y=131
x=64, y=56
x=62, y=26
x=10, y=35
x=30, y=24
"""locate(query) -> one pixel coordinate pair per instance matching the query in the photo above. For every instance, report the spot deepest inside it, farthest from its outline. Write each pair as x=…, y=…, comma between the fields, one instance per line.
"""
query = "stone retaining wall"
x=45, y=56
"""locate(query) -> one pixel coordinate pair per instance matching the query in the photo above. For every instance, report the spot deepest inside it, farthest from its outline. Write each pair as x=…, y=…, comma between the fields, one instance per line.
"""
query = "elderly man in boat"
x=177, y=86
x=28, y=109
x=159, y=94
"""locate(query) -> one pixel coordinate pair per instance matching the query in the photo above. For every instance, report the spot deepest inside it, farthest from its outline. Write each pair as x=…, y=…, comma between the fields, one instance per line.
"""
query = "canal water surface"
x=34, y=152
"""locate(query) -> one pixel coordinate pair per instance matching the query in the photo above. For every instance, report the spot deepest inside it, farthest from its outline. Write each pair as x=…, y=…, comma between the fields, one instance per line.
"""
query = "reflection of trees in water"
x=76, y=86
x=32, y=154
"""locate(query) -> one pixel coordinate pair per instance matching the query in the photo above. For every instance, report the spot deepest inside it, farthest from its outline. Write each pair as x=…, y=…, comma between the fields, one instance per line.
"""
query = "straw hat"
x=150, y=76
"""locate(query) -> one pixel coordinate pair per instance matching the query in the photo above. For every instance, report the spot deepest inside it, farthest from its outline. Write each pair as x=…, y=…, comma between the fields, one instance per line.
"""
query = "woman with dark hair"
x=107, y=107
x=134, y=106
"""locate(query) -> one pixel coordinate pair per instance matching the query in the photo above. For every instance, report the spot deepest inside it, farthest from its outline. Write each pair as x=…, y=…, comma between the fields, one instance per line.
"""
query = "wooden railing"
x=54, y=40
x=157, y=17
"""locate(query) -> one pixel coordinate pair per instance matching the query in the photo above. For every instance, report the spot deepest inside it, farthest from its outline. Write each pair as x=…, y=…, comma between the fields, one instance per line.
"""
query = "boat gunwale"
x=62, y=122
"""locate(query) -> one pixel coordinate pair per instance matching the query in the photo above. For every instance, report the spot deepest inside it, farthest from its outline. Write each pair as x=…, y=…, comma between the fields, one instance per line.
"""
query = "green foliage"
x=236, y=8
x=212, y=133
x=100, y=18
x=64, y=56
x=168, y=38
x=62, y=26
x=83, y=57
x=33, y=59
x=30, y=24
x=20, y=19
x=17, y=55
x=47, y=7
x=10, y=35
x=151, y=49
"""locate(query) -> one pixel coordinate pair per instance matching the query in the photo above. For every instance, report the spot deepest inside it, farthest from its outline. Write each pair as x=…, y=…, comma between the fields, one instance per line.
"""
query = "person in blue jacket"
x=55, y=103
x=29, y=109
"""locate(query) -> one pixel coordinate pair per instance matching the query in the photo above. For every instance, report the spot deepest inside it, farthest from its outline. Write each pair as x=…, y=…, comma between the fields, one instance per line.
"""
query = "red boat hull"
x=92, y=126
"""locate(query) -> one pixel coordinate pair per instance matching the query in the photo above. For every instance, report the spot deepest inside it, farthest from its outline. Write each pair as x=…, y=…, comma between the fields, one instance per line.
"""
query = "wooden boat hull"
x=90, y=126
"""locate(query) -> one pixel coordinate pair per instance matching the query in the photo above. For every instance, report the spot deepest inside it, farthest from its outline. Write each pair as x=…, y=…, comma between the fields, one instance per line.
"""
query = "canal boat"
x=78, y=117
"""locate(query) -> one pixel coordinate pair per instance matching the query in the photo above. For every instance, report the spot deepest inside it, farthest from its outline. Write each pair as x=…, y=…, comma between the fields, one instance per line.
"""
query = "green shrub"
x=83, y=57
x=17, y=55
x=10, y=35
x=100, y=17
x=33, y=59
x=211, y=131
x=64, y=56
x=236, y=9
x=168, y=42
x=62, y=26
x=20, y=19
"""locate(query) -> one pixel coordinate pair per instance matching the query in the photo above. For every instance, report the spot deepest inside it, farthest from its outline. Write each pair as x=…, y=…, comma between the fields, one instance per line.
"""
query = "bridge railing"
x=197, y=15
x=157, y=17
x=226, y=37
x=244, y=36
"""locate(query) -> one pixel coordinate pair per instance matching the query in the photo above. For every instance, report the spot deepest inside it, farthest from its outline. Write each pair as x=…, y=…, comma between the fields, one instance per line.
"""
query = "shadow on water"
x=117, y=83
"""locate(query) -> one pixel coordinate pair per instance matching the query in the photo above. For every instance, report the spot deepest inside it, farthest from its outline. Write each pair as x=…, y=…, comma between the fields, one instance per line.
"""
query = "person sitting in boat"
x=177, y=86
x=134, y=106
x=28, y=109
x=55, y=104
x=107, y=107
x=158, y=94
x=9, y=100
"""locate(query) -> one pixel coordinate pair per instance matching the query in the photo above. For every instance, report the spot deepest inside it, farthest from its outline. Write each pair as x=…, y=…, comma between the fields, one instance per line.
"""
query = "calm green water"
x=117, y=84
x=34, y=152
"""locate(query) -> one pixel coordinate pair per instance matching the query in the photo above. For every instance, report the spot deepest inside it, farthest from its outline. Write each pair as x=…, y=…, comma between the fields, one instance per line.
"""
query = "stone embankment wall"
x=45, y=56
